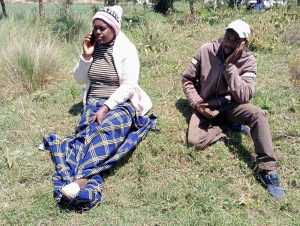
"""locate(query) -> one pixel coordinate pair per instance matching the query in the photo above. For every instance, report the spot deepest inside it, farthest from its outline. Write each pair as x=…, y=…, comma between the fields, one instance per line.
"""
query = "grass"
x=28, y=53
x=163, y=182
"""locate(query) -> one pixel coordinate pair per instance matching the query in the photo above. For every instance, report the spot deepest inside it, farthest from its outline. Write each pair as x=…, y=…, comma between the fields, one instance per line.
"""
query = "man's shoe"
x=271, y=180
x=241, y=128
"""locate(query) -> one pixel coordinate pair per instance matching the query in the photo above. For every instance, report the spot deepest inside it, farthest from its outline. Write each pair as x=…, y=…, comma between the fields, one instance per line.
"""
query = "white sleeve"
x=81, y=70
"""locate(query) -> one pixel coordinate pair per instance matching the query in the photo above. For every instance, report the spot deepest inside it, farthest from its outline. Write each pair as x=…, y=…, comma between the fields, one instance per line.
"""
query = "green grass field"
x=163, y=182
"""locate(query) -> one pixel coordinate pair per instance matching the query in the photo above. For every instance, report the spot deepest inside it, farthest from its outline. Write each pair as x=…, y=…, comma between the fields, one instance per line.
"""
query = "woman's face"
x=103, y=32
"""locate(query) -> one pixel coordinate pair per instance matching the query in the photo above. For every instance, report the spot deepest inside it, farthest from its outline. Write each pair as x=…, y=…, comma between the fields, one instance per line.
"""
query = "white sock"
x=42, y=147
x=71, y=190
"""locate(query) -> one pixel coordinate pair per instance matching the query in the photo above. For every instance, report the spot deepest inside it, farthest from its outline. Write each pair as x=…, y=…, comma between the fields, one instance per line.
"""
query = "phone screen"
x=92, y=40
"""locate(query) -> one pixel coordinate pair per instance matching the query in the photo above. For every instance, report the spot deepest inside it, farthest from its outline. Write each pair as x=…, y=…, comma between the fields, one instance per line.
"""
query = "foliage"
x=3, y=7
x=295, y=68
x=148, y=31
x=71, y=26
x=270, y=31
x=234, y=3
x=291, y=36
x=27, y=57
x=163, y=6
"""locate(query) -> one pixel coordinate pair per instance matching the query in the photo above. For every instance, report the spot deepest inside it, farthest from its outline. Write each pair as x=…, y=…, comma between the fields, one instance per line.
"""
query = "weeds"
x=264, y=36
x=294, y=67
x=291, y=37
x=71, y=27
x=149, y=32
x=29, y=58
x=271, y=30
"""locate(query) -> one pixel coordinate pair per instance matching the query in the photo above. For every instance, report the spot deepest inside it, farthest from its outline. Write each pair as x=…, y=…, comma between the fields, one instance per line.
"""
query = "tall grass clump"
x=270, y=32
x=73, y=26
x=265, y=36
x=294, y=67
x=30, y=57
x=292, y=35
x=149, y=31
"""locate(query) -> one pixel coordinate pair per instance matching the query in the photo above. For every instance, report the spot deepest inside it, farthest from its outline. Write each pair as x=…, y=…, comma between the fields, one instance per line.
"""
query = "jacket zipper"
x=218, y=84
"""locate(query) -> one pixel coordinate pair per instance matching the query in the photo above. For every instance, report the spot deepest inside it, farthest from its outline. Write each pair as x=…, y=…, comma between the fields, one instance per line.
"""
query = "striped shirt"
x=102, y=74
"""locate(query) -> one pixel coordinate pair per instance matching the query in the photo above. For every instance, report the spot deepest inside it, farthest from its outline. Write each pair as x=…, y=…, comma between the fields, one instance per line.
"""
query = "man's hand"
x=206, y=111
x=236, y=54
x=100, y=115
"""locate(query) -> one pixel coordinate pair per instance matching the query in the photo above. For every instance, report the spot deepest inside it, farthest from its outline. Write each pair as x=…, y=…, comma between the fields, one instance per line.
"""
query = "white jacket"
x=128, y=68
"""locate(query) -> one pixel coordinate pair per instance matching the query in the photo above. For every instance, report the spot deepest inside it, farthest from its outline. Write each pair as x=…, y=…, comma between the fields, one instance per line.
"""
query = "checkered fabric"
x=94, y=149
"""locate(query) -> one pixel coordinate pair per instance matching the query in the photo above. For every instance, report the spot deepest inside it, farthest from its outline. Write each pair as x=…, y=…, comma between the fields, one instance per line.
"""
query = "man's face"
x=231, y=41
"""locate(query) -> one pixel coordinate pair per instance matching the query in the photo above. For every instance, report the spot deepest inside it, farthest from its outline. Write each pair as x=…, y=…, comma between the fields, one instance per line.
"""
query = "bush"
x=29, y=57
x=294, y=67
x=72, y=26
x=148, y=32
x=265, y=36
x=292, y=35
x=163, y=6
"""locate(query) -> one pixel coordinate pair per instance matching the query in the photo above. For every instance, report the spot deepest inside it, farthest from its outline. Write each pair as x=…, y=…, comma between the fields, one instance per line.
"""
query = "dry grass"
x=294, y=67
x=30, y=58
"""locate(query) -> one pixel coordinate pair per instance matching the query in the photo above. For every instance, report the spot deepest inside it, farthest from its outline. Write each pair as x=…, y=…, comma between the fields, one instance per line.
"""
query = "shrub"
x=292, y=35
x=29, y=57
x=163, y=6
x=148, y=32
x=262, y=38
x=294, y=67
x=270, y=31
x=71, y=26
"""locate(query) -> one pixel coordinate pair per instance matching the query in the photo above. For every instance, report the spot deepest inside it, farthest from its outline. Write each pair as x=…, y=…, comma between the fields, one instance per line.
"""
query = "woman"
x=113, y=120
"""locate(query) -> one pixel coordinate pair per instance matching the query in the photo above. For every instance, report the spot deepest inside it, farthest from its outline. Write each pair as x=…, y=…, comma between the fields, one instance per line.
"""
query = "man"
x=219, y=84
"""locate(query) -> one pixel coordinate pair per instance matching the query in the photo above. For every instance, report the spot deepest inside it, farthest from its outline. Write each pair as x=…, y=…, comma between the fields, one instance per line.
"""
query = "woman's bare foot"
x=81, y=182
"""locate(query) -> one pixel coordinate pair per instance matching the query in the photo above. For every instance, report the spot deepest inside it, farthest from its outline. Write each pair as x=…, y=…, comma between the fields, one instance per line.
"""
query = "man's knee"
x=197, y=142
x=258, y=114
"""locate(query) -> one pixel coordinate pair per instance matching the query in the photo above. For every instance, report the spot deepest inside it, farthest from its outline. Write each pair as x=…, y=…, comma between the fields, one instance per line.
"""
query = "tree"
x=66, y=5
x=163, y=6
x=41, y=9
x=3, y=8
x=191, y=6
x=110, y=2
x=234, y=3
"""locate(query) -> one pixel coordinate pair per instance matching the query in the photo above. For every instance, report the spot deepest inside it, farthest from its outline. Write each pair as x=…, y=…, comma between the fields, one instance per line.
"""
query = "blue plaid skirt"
x=94, y=149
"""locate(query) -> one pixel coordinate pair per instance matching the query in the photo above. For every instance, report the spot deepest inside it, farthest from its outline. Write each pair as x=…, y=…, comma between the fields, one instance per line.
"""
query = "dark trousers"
x=203, y=132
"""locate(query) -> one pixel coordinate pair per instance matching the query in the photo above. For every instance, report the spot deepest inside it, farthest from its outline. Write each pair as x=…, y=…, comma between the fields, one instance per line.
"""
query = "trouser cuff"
x=266, y=163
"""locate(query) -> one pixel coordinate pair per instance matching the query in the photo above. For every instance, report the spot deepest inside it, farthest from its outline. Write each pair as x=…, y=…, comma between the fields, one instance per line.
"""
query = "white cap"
x=240, y=27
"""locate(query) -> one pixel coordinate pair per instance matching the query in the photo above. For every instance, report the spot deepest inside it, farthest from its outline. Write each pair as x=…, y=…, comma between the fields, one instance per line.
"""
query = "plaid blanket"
x=94, y=149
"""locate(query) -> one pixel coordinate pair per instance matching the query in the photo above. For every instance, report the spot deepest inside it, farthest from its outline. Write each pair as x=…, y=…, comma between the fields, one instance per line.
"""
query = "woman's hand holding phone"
x=88, y=45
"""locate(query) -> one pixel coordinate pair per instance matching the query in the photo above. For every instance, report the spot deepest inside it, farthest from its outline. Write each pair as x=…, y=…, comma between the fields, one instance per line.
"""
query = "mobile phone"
x=92, y=40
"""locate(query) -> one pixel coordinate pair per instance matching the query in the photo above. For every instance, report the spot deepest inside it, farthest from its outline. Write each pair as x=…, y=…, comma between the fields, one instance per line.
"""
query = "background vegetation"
x=163, y=182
